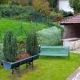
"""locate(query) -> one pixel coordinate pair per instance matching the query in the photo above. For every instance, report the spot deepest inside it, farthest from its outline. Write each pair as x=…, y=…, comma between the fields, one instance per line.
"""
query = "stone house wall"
x=71, y=31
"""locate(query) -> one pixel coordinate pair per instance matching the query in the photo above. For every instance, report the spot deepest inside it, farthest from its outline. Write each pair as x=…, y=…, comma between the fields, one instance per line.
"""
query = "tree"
x=75, y=4
x=53, y=3
x=32, y=43
x=10, y=48
x=4, y=1
x=41, y=6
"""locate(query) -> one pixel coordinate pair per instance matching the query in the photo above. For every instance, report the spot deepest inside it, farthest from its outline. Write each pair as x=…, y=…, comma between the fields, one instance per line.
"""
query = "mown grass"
x=45, y=68
x=15, y=26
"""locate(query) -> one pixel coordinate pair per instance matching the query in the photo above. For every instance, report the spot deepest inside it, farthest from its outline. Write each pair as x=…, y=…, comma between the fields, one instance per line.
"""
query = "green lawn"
x=45, y=68
x=15, y=26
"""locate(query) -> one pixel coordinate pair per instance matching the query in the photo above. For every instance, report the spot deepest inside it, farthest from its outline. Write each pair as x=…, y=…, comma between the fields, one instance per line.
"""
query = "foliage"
x=0, y=1
x=50, y=36
x=65, y=13
x=53, y=68
x=53, y=3
x=18, y=2
x=55, y=16
x=15, y=26
x=30, y=2
x=21, y=39
x=13, y=2
x=59, y=27
x=75, y=4
x=41, y=6
x=32, y=43
x=1, y=53
x=10, y=48
x=4, y=1
x=15, y=11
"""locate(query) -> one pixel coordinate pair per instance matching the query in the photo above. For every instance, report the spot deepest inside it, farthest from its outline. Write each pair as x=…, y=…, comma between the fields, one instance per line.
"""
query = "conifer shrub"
x=49, y=37
x=32, y=43
x=1, y=53
x=10, y=48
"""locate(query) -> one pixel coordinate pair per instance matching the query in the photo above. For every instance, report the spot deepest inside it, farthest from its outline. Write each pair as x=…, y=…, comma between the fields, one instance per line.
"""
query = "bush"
x=19, y=2
x=15, y=11
x=32, y=43
x=59, y=27
x=55, y=16
x=50, y=36
x=1, y=53
x=66, y=14
x=21, y=39
x=41, y=6
x=10, y=48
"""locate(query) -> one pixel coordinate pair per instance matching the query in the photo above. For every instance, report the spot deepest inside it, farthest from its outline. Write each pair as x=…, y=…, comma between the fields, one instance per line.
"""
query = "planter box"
x=16, y=65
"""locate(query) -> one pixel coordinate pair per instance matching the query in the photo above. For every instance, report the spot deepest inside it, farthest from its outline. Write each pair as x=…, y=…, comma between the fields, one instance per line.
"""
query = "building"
x=71, y=26
x=64, y=5
x=71, y=35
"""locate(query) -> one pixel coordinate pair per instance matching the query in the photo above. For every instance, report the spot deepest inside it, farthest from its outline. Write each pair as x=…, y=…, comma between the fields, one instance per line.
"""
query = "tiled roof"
x=75, y=19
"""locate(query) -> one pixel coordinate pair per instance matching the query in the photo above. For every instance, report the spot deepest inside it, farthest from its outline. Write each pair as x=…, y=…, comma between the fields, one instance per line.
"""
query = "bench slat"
x=54, y=54
x=54, y=51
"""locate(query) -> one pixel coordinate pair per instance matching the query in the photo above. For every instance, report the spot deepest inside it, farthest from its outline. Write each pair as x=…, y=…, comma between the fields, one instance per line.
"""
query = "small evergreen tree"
x=32, y=43
x=10, y=48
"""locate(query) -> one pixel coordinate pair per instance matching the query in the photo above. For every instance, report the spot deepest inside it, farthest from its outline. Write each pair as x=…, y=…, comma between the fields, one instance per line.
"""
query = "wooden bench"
x=54, y=51
x=15, y=66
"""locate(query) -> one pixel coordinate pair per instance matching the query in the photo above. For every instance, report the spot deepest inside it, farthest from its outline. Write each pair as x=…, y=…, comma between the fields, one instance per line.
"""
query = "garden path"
x=75, y=75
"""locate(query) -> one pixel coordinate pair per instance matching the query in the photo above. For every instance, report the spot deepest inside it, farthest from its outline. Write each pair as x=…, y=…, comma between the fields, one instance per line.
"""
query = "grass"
x=15, y=26
x=45, y=68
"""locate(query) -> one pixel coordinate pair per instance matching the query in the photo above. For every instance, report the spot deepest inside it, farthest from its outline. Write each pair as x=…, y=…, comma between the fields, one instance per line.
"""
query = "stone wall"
x=73, y=43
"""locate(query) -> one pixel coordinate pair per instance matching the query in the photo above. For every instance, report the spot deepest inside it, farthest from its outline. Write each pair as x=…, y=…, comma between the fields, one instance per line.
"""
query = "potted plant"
x=10, y=48
x=32, y=47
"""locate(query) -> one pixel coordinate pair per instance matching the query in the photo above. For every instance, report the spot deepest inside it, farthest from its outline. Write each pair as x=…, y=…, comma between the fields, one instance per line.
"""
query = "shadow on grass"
x=52, y=57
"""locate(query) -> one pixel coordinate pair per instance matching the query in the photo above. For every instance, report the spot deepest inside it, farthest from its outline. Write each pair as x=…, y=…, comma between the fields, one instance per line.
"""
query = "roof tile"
x=75, y=19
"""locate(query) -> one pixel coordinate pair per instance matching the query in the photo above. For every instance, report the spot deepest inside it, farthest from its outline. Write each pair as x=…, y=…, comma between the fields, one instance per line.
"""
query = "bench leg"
x=17, y=69
x=12, y=70
x=30, y=64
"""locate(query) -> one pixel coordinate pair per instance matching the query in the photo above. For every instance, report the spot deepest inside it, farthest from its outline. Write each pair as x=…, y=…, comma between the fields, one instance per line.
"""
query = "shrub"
x=60, y=17
x=21, y=43
x=59, y=27
x=1, y=53
x=21, y=39
x=50, y=36
x=66, y=14
x=32, y=43
x=10, y=48
x=55, y=16
x=41, y=6
x=15, y=11
x=3, y=1
x=53, y=3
